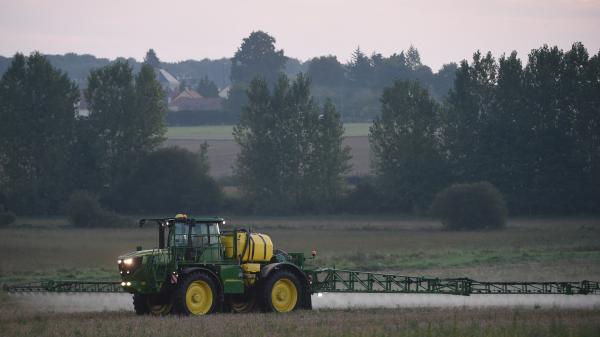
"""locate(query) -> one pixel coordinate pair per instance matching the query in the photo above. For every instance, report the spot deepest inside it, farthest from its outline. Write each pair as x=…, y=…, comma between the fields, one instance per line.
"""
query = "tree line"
x=531, y=130
x=354, y=87
x=48, y=150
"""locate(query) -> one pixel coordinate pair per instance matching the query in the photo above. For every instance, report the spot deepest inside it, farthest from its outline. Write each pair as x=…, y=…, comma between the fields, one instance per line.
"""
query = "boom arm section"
x=347, y=281
x=66, y=287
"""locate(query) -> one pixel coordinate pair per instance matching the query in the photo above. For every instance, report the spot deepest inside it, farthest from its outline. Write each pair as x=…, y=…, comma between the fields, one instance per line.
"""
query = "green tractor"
x=198, y=269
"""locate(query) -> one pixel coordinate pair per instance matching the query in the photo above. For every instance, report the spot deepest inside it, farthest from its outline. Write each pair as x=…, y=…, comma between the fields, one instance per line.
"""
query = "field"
x=529, y=249
x=222, y=148
x=224, y=131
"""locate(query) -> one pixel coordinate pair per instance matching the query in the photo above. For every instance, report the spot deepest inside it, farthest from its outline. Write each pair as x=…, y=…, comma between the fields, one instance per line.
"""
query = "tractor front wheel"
x=158, y=305
x=281, y=292
x=196, y=295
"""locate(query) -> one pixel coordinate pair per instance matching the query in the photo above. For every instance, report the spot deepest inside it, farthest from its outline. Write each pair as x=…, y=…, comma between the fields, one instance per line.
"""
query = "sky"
x=442, y=31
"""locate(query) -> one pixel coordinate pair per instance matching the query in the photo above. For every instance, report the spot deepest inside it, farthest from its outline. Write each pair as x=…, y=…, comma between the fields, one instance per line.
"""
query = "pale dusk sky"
x=443, y=31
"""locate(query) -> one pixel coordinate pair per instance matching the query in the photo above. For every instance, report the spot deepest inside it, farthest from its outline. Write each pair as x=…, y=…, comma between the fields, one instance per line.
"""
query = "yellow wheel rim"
x=284, y=295
x=199, y=298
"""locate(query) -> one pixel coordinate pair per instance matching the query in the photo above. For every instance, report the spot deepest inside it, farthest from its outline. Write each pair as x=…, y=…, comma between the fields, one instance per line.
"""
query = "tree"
x=37, y=110
x=388, y=70
x=151, y=59
x=256, y=57
x=529, y=130
x=171, y=180
x=413, y=58
x=468, y=106
x=443, y=81
x=127, y=116
x=291, y=159
x=207, y=88
x=360, y=67
x=331, y=158
x=326, y=70
x=408, y=158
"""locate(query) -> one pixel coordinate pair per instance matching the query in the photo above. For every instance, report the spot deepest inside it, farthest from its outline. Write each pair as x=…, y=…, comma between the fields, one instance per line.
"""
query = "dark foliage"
x=84, y=210
x=7, y=218
x=470, y=206
x=292, y=158
x=207, y=88
x=530, y=130
x=37, y=114
x=170, y=180
x=408, y=157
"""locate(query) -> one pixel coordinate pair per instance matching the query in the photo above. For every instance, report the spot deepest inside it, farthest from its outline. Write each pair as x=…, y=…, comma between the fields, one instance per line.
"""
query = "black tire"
x=277, y=292
x=140, y=305
x=157, y=305
x=242, y=303
x=196, y=295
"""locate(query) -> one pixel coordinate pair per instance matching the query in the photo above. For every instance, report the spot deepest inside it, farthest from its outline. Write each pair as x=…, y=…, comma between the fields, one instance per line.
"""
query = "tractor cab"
x=194, y=234
x=195, y=240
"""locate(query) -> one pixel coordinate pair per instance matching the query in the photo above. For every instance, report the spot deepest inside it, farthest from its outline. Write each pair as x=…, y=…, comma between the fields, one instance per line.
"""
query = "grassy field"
x=222, y=149
x=374, y=322
x=528, y=250
x=222, y=154
x=212, y=132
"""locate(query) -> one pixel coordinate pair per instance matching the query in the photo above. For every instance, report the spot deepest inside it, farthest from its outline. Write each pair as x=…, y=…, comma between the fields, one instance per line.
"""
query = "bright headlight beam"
x=128, y=261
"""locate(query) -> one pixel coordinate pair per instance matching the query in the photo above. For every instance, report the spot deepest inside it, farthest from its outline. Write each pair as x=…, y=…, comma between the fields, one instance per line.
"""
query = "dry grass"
x=374, y=322
x=222, y=153
x=529, y=249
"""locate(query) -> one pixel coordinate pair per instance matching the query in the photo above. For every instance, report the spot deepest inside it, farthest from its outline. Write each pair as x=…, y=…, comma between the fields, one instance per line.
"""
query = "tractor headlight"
x=129, y=265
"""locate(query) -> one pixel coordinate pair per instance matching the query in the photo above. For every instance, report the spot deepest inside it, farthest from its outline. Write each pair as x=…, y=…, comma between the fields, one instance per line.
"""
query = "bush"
x=84, y=210
x=6, y=218
x=170, y=180
x=470, y=206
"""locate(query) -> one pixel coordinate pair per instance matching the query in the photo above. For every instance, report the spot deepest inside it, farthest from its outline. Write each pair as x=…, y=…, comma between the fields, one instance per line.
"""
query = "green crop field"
x=212, y=132
x=527, y=250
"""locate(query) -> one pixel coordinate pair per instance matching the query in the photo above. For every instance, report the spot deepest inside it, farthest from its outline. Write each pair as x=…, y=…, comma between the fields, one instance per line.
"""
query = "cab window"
x=179, y=235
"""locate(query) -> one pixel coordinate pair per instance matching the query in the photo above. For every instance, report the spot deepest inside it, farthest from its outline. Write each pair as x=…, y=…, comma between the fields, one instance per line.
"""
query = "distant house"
x=168, y=82
x=190, y=100
x=224, y=92
x=82, y=107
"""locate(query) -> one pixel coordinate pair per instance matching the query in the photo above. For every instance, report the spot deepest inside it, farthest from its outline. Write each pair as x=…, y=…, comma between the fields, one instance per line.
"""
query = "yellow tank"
x=260, y=248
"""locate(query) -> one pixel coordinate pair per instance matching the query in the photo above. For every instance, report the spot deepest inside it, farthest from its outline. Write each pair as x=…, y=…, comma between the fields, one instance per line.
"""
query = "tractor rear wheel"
x=196, y=295
x=281, y=292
